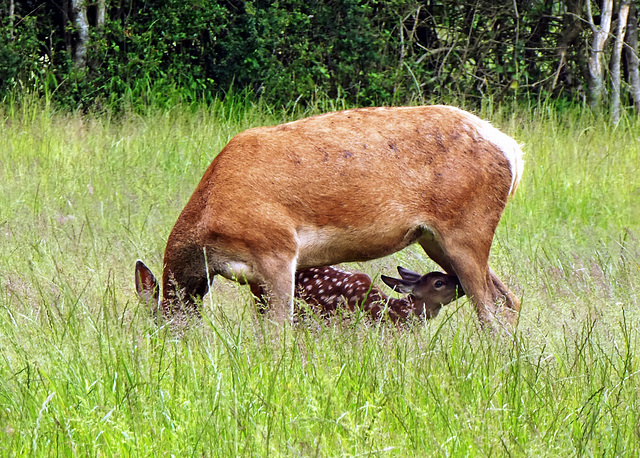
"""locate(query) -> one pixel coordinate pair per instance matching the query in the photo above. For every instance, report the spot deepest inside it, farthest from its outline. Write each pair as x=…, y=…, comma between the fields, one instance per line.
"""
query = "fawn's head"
x=429, y=292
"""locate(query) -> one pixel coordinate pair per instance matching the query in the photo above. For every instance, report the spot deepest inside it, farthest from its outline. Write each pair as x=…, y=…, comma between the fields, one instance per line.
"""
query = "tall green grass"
x=84, y=371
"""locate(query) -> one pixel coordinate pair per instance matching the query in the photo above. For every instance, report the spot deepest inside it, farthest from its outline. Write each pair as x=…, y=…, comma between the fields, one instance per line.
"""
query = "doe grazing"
x=346, y=186
x=326, y=289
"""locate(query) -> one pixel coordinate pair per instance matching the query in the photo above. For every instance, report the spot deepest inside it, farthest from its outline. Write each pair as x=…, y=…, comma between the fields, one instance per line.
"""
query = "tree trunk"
x=82, y=25
x=632, y=56
x=12, y=15
x=600, y=37
x=101, y=8
x=623, y=14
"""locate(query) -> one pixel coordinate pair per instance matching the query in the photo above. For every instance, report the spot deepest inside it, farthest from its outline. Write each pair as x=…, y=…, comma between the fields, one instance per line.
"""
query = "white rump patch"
x=509, y=148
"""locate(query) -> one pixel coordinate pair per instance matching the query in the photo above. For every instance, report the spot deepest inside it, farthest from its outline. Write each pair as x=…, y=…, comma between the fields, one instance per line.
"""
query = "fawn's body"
x=326, y=289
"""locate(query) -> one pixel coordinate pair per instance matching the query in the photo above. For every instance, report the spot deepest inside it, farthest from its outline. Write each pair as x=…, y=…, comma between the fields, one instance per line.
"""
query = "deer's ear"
x=147, y=285
x=407, y=274
x=398, y=285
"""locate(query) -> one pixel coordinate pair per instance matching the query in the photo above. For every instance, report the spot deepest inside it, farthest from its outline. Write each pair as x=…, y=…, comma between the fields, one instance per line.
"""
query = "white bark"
x=101, y=7
x=632, y=56
x=600, y=37
x=12, y=15
x=623, y=15
x=79, y=9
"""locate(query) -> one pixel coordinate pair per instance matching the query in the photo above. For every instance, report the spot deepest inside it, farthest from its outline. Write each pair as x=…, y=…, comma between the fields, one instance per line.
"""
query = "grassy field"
x=84, y=371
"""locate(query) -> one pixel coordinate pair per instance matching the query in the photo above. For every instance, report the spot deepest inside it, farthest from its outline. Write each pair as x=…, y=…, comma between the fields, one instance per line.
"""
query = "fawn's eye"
x=439, y=284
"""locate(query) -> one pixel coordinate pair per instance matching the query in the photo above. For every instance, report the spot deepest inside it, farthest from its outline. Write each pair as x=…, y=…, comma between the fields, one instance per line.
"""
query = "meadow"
x=85, y=371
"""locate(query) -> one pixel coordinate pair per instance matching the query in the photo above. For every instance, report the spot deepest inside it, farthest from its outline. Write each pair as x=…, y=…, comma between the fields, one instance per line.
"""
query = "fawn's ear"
x=407, y=274
x=147, y=285
x=398, y=285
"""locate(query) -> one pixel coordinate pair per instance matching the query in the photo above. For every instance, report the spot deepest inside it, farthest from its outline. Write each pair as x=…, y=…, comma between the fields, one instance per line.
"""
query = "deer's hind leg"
x=465, y=253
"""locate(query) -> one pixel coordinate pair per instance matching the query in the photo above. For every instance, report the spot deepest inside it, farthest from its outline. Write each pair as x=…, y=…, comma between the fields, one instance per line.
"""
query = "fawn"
x=326, y=289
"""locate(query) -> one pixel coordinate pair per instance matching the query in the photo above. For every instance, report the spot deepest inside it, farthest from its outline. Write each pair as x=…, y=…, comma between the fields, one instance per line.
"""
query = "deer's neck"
x=402, y=307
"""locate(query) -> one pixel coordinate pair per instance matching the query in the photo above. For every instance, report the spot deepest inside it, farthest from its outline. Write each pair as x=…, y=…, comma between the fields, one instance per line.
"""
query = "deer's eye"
x=439, y=284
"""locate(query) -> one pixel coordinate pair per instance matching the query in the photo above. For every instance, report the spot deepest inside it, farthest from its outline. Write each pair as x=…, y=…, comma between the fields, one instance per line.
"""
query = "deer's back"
x=365, y=176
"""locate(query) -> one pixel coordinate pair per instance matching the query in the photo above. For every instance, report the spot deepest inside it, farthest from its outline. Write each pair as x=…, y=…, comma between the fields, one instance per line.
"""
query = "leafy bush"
x=294, y=51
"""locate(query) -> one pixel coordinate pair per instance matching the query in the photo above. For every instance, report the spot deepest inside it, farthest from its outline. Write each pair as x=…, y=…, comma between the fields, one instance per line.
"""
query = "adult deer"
x=352, y=185
x=326, y=289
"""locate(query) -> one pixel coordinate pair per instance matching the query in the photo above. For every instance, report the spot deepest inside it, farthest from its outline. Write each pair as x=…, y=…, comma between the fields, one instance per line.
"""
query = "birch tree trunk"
x=632, y=56
x=595, y=84
x=79, y=9
x=623, y=15
x=12, y=15
x=101, y=7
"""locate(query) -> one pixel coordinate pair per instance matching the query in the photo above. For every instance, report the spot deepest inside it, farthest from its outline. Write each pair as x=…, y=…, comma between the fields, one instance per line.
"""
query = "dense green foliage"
x=294, y=51
x=84, y=370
